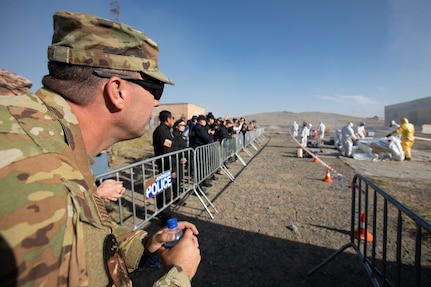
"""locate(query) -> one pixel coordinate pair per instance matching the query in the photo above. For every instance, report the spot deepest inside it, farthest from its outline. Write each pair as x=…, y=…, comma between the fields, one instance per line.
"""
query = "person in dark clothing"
x=224, y=131
x=210, y=126
x=218, y=123
x=179, y=143
x=163, y=144
x=180, y=140
x=244, y=128
x=200, y=136
x=162, y=135
x=189, y=126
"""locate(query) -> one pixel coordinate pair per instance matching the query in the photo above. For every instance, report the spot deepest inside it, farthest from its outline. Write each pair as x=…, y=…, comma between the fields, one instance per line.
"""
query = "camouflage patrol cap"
x=15, y=83
x=88, y=40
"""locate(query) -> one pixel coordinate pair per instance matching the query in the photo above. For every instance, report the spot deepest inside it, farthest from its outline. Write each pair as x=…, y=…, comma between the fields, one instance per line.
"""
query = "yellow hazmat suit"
x=407, y=131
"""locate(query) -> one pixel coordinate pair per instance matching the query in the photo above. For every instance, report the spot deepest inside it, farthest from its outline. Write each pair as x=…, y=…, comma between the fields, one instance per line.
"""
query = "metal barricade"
x=383, y=247
x=239, y=144
x=252, y=138
x=260, y=136
x=227, y=151
x=206, y=161
x=246, y=143
x=145, y=178
x=185, y=169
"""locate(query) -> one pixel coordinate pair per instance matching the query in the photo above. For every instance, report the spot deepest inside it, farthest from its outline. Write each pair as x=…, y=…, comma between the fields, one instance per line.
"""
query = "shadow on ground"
x=269, y=261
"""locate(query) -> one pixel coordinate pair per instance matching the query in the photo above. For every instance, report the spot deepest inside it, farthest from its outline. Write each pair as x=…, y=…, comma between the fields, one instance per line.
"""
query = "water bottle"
x=173, y=228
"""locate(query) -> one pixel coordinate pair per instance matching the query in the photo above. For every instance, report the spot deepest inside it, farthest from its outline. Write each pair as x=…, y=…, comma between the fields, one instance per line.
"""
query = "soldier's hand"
x=185, y=253
x=156, y=241
x=111, y=189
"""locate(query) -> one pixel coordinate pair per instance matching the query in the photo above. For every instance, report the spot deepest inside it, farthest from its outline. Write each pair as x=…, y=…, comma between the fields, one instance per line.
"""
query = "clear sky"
x=246, y=56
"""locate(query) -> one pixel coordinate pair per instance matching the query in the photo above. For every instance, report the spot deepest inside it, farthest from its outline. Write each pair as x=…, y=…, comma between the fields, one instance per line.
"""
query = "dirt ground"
x=278, y=219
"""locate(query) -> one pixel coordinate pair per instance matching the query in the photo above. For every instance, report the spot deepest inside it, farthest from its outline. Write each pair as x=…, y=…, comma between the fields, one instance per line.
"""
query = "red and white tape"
x=337, y=178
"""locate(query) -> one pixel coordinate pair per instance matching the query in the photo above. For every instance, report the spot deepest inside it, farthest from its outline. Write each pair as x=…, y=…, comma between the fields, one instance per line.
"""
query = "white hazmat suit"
x=321, y=130
x=304, y=134
x=295, y=128
x=347, y=138
x=393, y=125
x=337, y=139
x=360, y=131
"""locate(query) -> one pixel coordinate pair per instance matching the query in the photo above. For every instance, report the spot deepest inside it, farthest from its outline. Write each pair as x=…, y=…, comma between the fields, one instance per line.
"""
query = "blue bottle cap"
x=172, y=223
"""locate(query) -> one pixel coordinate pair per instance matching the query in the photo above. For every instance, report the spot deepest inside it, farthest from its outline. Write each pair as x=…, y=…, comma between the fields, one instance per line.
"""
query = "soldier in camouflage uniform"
x=54, y=229
x=12, y=84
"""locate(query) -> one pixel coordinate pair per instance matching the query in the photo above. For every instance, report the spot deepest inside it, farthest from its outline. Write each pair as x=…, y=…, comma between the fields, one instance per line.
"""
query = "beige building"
x=178, y=110
x=417, y=111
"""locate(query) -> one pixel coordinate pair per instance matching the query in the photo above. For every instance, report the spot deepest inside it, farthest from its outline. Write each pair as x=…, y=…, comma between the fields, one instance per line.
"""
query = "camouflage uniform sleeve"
x=131, y=244
x=176, y=277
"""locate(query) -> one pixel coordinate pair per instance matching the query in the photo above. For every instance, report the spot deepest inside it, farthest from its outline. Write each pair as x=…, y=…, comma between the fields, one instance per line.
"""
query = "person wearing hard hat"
x=407, y=131
x=347, y=138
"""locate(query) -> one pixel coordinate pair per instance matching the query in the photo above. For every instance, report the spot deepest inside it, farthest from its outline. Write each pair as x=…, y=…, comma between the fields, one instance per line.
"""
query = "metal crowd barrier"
x=228, y=150
x=178, y=174
x=206, y=163
x=239, y=146
x=142, y=179
x=381, y=230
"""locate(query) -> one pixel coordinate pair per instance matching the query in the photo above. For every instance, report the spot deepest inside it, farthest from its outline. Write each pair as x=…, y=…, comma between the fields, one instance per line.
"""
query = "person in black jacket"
x=210, y=126
x=224, y=131
x=200, y=136
x=180, y=140
x=180, y=143
x=163, y=143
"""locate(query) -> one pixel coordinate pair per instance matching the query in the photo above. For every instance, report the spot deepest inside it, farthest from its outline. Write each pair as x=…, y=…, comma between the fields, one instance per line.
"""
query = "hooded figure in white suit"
x=347, y=138
x=321, y=130
x=304, y=134
x=295, y=128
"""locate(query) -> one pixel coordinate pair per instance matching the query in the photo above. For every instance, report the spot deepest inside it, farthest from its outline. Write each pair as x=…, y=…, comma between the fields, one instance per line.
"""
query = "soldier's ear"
x=115, y=92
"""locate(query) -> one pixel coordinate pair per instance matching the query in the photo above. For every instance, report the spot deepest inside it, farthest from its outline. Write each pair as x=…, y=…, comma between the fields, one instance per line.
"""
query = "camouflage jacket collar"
x=59, y=107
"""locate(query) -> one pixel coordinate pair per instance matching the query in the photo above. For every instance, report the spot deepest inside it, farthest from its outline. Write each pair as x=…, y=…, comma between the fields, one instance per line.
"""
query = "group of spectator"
x=171, y=135
x=200, y=130
x=204, y=129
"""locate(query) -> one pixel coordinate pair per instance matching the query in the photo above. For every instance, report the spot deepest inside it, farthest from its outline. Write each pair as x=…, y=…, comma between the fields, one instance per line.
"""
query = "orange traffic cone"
x=328, y=176
x=363, y=233
x=315, y=158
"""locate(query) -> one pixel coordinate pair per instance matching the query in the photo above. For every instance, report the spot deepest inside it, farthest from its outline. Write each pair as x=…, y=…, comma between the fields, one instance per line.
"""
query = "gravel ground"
x=278, y=219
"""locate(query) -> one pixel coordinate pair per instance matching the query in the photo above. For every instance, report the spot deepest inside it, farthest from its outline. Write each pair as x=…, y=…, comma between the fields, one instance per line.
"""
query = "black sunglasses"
x=155, y=88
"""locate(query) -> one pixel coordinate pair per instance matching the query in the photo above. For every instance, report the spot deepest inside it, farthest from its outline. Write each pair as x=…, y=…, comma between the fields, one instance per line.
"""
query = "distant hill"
x=332, y=121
